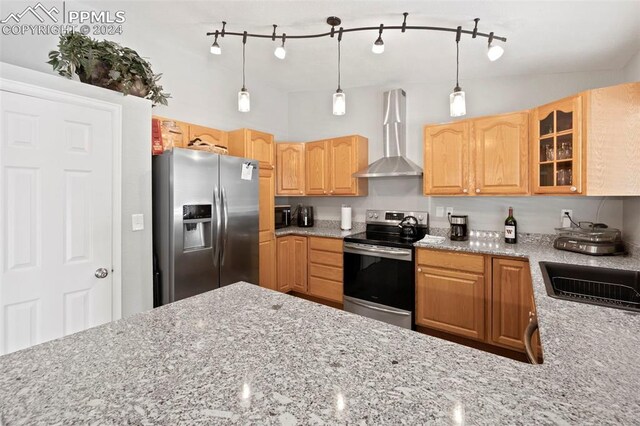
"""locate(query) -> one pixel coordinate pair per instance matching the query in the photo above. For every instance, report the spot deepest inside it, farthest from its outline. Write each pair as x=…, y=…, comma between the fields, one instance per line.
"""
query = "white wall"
x=310, y=118
x=136, y=258
x=202, y=90
x=631, y=205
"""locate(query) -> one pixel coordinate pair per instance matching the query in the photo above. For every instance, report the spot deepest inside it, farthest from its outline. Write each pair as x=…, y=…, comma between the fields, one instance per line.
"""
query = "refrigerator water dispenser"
x=196, y=224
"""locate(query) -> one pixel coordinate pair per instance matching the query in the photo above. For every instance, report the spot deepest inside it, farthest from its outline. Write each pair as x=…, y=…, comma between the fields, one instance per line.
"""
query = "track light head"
x=215, y=47
x=280, y=51
x=378, y=46
x=494, y=51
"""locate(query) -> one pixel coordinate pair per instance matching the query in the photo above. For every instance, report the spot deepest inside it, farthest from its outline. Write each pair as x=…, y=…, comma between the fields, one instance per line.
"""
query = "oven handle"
x=404, y=255
x=375, y=308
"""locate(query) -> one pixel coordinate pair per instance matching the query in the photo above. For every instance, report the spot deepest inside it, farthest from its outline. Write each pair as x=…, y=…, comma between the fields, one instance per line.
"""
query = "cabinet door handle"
x=465, y=190
x=324, y=192
x=573, y=189
x=478, y=191
x=528, y=335
x=419, y=269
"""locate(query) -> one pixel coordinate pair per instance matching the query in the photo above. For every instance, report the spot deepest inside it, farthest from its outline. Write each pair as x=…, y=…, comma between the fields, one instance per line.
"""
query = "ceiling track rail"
x=333, y=21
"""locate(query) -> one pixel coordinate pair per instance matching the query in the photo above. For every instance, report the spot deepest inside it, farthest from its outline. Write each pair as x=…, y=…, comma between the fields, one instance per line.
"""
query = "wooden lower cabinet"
x=511, y=296
x=267, y=263
x=475, y=296
x=451, y=301
x=292, y=263
x=325, y=268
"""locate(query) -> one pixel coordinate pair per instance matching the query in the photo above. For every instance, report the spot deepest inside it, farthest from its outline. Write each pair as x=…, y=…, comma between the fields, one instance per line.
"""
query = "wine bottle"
x=510, y=228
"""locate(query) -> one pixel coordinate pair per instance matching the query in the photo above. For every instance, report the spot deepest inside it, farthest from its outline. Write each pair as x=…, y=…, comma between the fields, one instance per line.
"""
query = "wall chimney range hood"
x=394, y=163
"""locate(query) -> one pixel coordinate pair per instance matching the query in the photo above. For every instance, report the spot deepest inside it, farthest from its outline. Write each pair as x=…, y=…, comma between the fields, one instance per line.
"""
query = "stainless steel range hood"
x=394, y=163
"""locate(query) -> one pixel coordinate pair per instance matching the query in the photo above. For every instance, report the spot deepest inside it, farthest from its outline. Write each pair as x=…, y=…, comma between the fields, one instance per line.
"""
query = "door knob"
x=478, y=191
x=419, y=269
x=465, y=190
x=573, y=189
x=101, y=273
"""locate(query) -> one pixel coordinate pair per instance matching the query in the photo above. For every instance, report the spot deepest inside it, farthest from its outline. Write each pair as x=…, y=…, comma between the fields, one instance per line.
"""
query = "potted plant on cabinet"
x=106, y=64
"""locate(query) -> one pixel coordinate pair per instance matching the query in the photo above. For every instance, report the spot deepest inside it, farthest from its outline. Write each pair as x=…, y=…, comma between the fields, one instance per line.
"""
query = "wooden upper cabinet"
x=184, y=128
x=206, y=134
x=501, y=154
x=511, y=298
x=611, y=133
x=266, y=204
x=446, y=159
x=290, y=168
x=556, y=162
x=317, y=168
x=451, y=301
x=253, y=144
x=347, y=155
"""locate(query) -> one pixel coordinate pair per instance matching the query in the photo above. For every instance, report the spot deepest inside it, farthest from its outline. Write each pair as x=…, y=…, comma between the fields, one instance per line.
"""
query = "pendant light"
x=457, y=106
x=339, y=98
x=244, y=99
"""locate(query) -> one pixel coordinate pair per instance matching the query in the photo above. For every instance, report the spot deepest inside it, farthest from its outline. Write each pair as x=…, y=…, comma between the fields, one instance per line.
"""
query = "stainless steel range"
x=379, y=266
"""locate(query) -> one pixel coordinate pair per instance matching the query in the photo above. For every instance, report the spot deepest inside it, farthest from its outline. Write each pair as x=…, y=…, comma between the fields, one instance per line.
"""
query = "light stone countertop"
x=322, y=228
x=243, y=354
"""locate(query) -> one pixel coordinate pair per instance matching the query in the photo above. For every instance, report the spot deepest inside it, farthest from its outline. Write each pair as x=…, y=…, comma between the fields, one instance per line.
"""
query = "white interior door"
x=56, y=219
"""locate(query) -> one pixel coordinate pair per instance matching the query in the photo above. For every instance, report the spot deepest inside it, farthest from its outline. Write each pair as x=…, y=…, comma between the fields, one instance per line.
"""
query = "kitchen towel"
x=345, y=216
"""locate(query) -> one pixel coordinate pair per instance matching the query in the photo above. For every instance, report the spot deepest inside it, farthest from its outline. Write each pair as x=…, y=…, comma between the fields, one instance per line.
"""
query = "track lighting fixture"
x=456, y=99
x=457, y=105
x=378, y=45
x=339, y=98
x=494, y=51
x=244, y=99
x=280, y=51
x=215, y=47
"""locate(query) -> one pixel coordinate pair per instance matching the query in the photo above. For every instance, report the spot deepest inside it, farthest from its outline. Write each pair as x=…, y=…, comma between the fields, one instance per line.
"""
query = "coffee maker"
x=458, y=231
x=305, y=216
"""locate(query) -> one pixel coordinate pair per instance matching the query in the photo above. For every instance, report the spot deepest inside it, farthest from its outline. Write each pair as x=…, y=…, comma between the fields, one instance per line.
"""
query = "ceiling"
x=543, y=37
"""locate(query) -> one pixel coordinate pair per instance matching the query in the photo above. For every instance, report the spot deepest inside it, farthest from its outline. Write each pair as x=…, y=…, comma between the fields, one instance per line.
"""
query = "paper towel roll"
x=345, y=216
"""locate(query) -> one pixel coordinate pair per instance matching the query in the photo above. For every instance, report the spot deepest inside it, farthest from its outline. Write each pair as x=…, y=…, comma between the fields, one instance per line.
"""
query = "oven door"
x=381, y=275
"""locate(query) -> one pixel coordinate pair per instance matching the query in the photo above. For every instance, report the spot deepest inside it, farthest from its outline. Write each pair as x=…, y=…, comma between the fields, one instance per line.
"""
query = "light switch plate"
x=137, y=222
x=449, y=211
x=440, y=211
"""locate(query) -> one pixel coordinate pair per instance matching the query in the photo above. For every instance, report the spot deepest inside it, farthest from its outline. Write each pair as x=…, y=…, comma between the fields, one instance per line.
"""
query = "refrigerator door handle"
x=215, y=239
x=225, y=214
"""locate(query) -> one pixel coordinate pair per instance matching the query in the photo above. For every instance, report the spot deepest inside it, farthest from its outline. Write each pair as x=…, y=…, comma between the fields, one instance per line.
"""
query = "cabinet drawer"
x=451, y=260
x=321, y=271
x=326, y=244
x=326, y=289
x=325, y=258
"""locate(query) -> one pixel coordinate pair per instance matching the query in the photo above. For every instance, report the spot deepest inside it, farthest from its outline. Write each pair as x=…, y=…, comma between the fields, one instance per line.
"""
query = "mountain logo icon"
x=38, y=11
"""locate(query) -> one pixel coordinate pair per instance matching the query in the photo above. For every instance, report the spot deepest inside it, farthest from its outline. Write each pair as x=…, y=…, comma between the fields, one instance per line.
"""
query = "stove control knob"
x=420, y=218
x=370, y=215
x=375, y=215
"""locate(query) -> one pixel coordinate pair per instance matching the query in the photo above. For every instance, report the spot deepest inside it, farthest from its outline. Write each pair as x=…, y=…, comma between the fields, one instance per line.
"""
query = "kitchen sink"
x=615, y=288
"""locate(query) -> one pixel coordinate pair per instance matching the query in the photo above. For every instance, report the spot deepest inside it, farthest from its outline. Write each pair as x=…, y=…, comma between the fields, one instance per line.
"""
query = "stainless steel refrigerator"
x=205, y=222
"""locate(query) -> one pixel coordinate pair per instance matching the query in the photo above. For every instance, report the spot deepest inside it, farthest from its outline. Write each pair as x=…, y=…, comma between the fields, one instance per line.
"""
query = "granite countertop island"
x=246, y=355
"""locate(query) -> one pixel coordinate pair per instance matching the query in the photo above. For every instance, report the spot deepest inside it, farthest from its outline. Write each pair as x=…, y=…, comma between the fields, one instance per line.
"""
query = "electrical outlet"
x=449, y=211
x=564, y=220
x=440, y=211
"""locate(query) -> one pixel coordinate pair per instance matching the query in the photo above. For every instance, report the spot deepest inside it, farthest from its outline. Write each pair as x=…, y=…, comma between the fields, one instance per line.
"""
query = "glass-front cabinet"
x=557, y=146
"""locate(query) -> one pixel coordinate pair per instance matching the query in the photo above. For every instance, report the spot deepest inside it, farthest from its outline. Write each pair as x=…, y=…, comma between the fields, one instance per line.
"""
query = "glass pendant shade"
x=215, y=48
x=494, y=52
x=378, y=46
x=339, y=103
x=244, y=101
x=280, y=52
x=457, y=105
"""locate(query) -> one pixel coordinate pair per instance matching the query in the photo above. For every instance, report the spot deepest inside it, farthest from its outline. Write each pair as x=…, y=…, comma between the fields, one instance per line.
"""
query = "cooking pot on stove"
x=408, y=225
